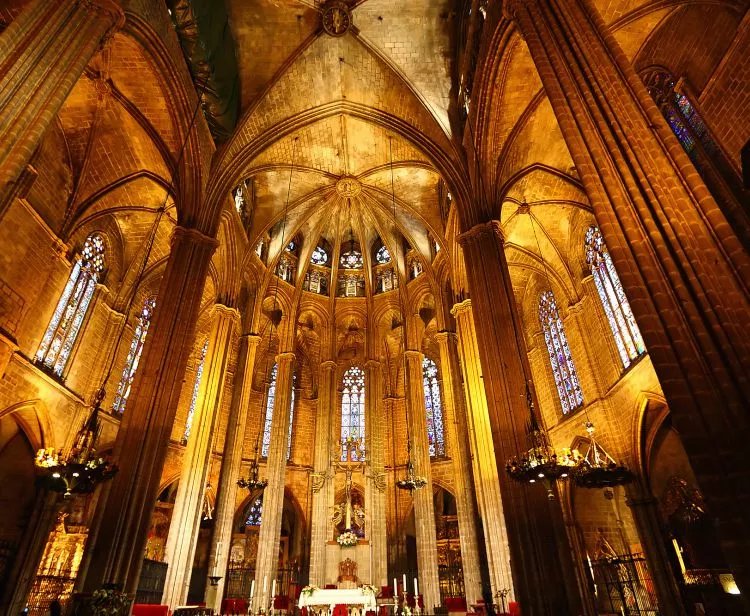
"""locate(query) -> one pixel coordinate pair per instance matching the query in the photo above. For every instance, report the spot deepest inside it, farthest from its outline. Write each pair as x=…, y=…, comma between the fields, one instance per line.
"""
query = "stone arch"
x=33, y=418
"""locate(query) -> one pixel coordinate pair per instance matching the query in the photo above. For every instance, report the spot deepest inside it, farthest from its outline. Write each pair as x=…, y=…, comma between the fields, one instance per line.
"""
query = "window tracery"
x=351, y=259
x=566, y=378
x=433, y=407
x=382, y=256
x=196, y=389
x=621, y=320
x=255, y=512
x=134, y=356
x=353, y=408
x=268, y=423
x=319, y=256
x=72, y=306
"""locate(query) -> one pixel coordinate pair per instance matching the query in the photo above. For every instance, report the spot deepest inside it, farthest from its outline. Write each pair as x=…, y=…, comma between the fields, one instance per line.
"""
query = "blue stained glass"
x=291, y=418
x=134, y=356
x=353, y=408
x=194, y=399
x=255, y=512
x=433, y=407
x=72, y=306
x=563, y=369
x=268, y=423
x=621, y=321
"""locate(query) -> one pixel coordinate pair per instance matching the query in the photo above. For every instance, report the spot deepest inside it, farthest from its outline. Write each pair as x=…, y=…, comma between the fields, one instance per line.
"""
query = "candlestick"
x=416, y=588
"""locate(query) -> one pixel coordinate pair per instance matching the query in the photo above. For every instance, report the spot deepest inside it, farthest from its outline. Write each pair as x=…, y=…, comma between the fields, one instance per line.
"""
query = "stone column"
x=424, y=506
x=267, y=563
x=118, y=535
x=322, y=480
x=683, y=267
x=534, y=524
x=226, y=496
x=43, y=53
x=457, y=437
x=375, y=487
x=649, y=531
x=482, y=447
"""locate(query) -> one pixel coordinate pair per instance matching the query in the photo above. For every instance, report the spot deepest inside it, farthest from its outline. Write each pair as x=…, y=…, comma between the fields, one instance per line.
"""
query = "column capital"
x=110, y=8
x=445, y=336
x=286, y=357
x=328, y=365
x=412, y=354
x=481, y=230
x=194, y=236
x=372, y=364
x=225, y=310
x=461, y=307
x=251, y=338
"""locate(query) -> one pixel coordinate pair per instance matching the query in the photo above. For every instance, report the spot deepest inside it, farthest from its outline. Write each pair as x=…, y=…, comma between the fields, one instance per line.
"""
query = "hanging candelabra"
x=253, y=481
x=597, y=469
x=79, y=470
x=411, y=481
x=541, y=462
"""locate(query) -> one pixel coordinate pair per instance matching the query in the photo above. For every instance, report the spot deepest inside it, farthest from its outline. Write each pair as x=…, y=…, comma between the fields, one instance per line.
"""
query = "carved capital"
x=224, y=310
x=317, y=480
x=328, y=365
x=461, y=307
x=481, y=231
x=411, y=354
x=186, y=234
x=286, y=357
x=252, y=339
x=445, y=336
x=372, y=364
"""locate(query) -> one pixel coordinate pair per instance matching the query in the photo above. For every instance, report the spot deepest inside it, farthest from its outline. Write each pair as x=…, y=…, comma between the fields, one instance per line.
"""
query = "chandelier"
x=253, y=481
x=411, y=482
x=541, y=462
x=80, y=470
x=598, y=469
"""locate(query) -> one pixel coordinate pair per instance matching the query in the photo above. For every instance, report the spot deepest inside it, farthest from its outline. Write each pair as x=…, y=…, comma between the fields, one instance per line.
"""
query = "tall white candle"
x=252, y=589
x=403, y=581
x=273, y=588
x=395, y=588
x=265, y=584
x=416, y=588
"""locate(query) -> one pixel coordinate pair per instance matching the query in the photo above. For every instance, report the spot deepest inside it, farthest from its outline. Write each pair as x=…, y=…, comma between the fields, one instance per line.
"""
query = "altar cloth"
x=338, y=596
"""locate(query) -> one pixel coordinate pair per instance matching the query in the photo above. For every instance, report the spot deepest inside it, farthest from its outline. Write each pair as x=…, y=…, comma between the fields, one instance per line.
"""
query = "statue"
x=351, y=514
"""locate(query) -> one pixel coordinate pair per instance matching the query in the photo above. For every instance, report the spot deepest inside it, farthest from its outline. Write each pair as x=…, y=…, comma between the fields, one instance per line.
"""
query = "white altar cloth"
x=334, y=596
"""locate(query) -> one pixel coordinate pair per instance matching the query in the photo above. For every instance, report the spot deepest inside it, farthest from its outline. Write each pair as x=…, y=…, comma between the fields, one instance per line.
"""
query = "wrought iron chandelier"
x=253, y=481
x=79, y=470
x=411, y=481
x=597, y=469
x=541, y=462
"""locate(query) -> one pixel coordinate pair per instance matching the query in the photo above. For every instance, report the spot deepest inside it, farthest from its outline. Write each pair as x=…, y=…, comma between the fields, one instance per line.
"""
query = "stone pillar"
x=43, y=53
x=457, y=437
x=647, y=522
x=226, y=496
x=424, y=506
x=375, y=486
x=483, y=454
x=534, y=524
x=267, y=563
x=186, y=515
x=683, y=267
x=321, y=479
x=118, y=535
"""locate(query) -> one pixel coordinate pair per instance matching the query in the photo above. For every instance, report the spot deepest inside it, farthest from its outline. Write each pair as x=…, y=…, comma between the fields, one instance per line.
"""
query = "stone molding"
x=461, y=307
x=482, y=229
x=194, y=235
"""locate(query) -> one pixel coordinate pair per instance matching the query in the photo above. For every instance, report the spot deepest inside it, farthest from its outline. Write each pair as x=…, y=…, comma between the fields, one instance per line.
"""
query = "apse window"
x=433, y=408
x=134, y=356
x=382, y=256
x=268, y=423
x=194, y=399
x=621, y=320
x=351, y=259
x=72, y=307
x=353, y=411
x=566, y=378
x=319, y=256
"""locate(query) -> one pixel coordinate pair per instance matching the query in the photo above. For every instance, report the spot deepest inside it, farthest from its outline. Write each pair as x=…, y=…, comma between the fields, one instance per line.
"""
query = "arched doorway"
x=450, y=566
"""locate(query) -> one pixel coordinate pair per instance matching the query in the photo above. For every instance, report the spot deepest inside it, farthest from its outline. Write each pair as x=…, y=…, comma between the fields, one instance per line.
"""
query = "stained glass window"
x=255, y=512
x=353, y=408
x=382, y=255
x=621, y=321
x=319, y=256
x=194, y=399
x=270, y=401
x=351, y=259
x=434, y=407
x=566, y=378
x=134, y=356
x=72, y=306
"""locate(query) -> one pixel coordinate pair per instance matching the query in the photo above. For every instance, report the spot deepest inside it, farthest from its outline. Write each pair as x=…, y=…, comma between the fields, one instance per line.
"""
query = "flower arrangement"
x=369, y=590
x=348, y=538
x=110, y=602
x=309, y=590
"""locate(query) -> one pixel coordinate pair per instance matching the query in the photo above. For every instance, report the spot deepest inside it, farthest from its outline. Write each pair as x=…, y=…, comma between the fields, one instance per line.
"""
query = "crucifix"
x=349, y=459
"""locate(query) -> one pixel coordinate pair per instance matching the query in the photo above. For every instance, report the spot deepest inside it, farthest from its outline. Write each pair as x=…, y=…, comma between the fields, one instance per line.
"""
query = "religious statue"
x=353, y=514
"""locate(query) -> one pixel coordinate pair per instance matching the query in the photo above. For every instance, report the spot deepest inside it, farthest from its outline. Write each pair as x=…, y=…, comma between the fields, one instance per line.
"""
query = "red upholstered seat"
x=340, y=610
x=514, y=609
x=281, y=602
x=455, y=604
x=304, y=610
x=146, y=609
x=234, y=607
x=386, y=592
x=383, y=610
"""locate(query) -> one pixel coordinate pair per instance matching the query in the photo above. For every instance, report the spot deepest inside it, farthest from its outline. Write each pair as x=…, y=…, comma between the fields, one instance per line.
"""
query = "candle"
x=395, y=588
x=273, y=588
x=265, y=584
x=416, y=588
x=252, y=589
x=403, y=582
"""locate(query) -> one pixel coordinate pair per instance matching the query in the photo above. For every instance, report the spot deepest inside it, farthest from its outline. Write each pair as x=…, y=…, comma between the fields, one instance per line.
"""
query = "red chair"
x=455, y=605
x=281, y=602
x=383, y=610
x=340, y=610
x=386, y=592
x=234, y=607
x=514, y=609
x=146, y=609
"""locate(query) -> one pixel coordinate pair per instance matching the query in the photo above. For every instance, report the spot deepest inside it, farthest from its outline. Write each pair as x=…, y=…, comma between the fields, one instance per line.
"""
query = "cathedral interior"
x=440, y=303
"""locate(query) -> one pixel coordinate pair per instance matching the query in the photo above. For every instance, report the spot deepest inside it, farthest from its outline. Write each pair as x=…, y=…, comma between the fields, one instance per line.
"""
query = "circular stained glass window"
x=319, y=256
x=292, y=246
x=382, y=255
x=351, y=259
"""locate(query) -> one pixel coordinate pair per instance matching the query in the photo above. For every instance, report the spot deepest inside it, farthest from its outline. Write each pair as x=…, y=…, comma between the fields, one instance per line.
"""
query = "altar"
x=327, y=598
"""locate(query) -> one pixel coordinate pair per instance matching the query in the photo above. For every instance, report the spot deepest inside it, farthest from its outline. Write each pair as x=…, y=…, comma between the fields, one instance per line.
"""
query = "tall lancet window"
x=255, y=512
x=270, y=401
x=194, y=399
x=434, y=408
x=621, y=321
x=134, y=356
x=353, y=409
x=566, y=377
x=72, y=306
